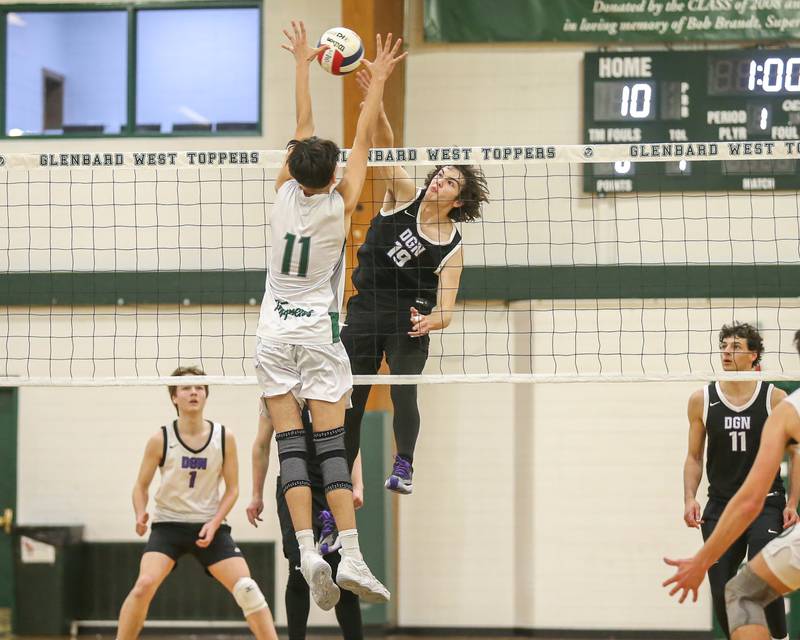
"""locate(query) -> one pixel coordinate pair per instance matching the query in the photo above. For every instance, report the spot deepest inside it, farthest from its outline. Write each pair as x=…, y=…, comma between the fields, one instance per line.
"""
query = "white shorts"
x=782, y=555
x=310, y=372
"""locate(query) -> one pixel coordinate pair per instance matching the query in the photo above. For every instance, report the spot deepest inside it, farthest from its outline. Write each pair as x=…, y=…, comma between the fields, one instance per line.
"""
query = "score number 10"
x=636, y=100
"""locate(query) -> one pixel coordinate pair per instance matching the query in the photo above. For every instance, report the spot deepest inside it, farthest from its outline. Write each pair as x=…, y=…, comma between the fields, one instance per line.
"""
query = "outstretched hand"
x=363, y=78
x=687, y=579
x=298, y=44
x=386, y=57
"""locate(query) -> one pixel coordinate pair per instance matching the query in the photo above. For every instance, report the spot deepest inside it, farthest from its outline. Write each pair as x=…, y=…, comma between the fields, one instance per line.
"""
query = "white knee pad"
x=248, y=596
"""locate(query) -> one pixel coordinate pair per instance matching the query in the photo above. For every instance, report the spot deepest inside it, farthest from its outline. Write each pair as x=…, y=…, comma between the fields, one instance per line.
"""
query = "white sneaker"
x=317, y=573
x=354, y=575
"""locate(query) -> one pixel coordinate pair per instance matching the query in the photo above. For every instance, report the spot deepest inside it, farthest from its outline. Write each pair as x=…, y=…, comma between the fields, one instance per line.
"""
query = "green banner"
x=608, y=21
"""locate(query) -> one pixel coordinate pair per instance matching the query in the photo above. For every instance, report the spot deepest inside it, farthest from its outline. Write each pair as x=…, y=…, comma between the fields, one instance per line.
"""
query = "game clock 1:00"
x=692, y=96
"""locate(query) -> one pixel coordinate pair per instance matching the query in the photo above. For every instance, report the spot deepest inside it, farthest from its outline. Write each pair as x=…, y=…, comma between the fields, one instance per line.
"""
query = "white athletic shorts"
x=782, y=555
x=310, y=372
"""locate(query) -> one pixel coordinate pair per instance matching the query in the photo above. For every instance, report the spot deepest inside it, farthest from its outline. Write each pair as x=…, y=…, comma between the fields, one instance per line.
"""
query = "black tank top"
x=398, y=266
x=733, y=438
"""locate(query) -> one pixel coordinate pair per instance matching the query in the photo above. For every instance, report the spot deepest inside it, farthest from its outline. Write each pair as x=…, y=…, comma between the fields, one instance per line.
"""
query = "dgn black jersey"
x=733, y=435
x=398, y=263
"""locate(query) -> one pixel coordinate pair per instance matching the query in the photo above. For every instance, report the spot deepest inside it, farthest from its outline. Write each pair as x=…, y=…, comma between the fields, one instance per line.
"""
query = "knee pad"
x=332, y=459
x=248, y=596
x=746, y=595
x=293, y=456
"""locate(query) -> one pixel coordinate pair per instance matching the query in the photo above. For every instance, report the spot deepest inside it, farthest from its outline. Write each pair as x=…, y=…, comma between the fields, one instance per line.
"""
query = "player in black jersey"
x=731, y=416
x=407, y=278
x=775, y=571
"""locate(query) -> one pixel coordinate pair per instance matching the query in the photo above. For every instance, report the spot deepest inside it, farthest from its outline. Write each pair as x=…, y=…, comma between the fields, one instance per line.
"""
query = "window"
x=66, y=72
x=197, y=70
x=191, y=70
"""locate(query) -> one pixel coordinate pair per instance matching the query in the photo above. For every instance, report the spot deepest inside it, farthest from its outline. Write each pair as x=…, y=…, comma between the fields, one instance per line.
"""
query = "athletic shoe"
x=317, y=573
x=328, y=536
x=400, y=480
x=354, y=575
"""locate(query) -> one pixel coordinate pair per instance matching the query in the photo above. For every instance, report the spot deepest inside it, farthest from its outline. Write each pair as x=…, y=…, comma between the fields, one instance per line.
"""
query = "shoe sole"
x=393, y=484
x=323, y=589
x=363, y=592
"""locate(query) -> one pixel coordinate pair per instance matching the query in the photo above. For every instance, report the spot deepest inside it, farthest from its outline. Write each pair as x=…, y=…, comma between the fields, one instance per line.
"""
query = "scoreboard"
x=692, y=96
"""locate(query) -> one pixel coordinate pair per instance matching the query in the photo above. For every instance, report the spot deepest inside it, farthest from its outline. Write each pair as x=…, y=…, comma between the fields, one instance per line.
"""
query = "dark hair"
x=312, y=161
x=746, y=331
x=185, y=371
x=797, y=341
x=474, y=191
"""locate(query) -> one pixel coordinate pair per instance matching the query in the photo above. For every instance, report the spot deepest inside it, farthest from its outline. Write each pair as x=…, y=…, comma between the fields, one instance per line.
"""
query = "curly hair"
x=474, y=192
x=185, y=371
x=746, y=331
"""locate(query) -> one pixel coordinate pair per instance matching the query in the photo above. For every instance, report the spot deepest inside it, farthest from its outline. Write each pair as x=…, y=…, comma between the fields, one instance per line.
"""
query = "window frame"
x=132, y=10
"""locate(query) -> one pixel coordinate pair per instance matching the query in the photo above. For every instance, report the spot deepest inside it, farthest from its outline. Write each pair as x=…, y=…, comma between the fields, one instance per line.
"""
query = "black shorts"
x=291, y=550
x=175, y=539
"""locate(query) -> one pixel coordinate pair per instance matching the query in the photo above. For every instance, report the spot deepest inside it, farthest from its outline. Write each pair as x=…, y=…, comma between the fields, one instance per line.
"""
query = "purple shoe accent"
x=328, y=538
x=402, y=468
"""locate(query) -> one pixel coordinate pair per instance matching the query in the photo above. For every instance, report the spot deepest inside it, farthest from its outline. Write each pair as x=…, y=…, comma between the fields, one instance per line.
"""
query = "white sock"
x=305, y=539
x=349, y=540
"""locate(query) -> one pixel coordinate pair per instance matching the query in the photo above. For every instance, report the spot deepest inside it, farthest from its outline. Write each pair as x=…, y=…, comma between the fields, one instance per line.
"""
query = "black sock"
x=406, y=419
x=298, y=602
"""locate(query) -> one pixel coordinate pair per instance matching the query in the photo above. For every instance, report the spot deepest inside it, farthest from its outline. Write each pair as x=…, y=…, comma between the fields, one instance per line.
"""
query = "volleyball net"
x=119, y=267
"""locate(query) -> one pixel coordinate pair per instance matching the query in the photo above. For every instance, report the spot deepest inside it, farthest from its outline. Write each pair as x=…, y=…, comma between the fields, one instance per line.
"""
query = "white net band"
x=422, y=156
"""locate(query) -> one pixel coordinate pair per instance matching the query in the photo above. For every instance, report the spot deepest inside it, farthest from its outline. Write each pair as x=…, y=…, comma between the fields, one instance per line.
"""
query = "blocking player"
x=299, y=357
x=193, y=455
x=348, y=610
x=731, y=415
x=408, y=274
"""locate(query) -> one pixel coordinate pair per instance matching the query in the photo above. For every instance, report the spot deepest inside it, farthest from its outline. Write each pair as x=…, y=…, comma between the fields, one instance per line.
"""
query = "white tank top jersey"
x=305, y=275
x=190, y=478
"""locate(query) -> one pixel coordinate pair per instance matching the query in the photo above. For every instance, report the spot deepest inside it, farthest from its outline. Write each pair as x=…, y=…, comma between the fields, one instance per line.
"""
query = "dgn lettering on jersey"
x=407, y=246
x=188, y=462
x=737, y=422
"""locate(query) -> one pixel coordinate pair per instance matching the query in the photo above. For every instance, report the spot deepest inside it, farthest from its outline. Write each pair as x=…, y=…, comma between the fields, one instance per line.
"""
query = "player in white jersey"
x=775, y=571
x=194, y=455
x=299, y=355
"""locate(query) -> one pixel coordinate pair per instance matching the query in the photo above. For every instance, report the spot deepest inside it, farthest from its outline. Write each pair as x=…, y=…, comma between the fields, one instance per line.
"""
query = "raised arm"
x=303, y=55
x=693, y=465
x=394, y=181
x=355, y=171
x=150, y=461
x=230, y=473
x=260, y=462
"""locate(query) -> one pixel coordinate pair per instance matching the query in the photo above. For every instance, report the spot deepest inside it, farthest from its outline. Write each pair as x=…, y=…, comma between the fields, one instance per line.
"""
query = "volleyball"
x=344, y=52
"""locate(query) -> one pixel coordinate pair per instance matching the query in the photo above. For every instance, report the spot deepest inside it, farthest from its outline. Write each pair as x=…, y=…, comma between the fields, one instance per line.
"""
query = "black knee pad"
x=332, y=459
x=293, y=456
